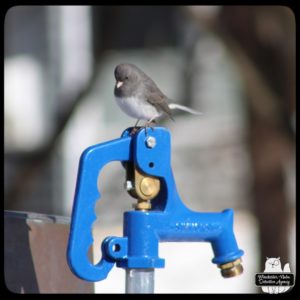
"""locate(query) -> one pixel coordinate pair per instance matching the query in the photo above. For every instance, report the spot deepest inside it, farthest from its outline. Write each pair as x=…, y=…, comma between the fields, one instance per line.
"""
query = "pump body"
x=160, y=215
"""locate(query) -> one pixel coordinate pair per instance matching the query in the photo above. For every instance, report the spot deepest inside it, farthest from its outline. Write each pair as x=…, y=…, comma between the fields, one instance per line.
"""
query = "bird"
x=139, y=97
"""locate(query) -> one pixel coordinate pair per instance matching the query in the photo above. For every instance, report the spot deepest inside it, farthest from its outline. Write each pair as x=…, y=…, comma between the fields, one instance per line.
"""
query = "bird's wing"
x=155, y=96
x=160, y=102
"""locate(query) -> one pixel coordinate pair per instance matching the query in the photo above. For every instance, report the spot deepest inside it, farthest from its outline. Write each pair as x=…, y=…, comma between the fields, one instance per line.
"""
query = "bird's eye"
x=126, y=77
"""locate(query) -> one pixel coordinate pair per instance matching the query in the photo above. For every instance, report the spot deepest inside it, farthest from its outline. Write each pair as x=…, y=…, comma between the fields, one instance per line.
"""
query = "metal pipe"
x=139, y=281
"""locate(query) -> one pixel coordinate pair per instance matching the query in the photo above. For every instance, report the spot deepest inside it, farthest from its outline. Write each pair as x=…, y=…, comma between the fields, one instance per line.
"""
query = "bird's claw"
x=151, y=125
x=134, y=130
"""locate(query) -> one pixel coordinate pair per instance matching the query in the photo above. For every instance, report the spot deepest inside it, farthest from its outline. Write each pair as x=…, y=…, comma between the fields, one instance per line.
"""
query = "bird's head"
x=125, y=74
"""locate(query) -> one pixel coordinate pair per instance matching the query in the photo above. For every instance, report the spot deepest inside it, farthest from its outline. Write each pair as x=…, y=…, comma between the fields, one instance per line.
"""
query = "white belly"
x=138, y=109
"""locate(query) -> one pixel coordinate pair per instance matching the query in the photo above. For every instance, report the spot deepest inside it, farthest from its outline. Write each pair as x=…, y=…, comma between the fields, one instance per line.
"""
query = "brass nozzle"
x=232, y=268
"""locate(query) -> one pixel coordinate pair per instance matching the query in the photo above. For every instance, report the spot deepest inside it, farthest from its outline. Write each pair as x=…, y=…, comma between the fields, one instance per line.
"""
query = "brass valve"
x=141, y=186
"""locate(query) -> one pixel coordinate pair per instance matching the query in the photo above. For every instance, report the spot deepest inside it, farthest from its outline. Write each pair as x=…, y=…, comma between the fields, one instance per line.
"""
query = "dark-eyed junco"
x=140, y=98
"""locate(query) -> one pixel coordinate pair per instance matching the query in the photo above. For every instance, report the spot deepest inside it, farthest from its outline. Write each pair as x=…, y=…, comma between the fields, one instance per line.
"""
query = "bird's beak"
x=119, y=84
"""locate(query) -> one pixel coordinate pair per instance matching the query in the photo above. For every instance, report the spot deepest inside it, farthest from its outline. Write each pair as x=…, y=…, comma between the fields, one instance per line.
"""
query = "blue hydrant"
x=159, y=215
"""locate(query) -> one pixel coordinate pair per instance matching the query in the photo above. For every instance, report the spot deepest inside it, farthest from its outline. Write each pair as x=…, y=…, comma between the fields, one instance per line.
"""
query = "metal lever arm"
x=92, y=160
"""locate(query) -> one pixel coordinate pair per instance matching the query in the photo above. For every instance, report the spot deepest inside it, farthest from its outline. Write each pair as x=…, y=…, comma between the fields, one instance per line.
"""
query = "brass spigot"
x=232, y=268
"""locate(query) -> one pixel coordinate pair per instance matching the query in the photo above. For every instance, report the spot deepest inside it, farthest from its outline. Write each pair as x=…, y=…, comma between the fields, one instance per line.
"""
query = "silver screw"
x=151, y=142
x=128, y=185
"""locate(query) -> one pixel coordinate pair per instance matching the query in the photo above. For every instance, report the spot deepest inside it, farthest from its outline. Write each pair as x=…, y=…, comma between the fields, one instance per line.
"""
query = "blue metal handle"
x=92, y=160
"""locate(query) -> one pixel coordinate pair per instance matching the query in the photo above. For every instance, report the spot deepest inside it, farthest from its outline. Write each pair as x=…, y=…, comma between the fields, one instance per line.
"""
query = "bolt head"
x=148, y=186
x=128, y=185
x=151, y=142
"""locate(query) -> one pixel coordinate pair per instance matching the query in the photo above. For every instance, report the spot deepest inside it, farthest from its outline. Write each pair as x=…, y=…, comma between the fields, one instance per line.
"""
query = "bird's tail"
x=184, y=108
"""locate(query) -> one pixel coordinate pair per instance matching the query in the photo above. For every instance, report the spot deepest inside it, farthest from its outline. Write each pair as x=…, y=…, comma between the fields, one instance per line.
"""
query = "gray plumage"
x=139, y=97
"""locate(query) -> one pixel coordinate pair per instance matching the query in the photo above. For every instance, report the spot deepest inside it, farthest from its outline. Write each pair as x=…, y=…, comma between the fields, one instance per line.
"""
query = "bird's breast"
x=137, y=108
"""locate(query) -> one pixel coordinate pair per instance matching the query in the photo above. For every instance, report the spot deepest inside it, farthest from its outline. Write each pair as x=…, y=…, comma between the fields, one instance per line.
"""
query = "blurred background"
x=236, y=64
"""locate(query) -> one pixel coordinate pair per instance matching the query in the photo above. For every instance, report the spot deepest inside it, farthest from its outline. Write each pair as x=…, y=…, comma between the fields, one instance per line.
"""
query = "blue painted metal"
x=168, y=220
